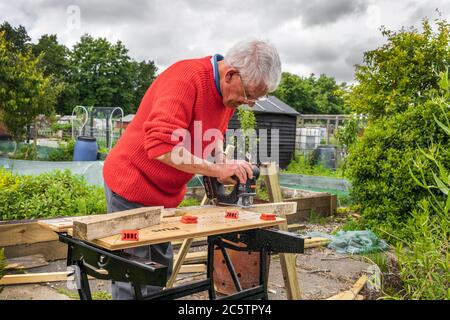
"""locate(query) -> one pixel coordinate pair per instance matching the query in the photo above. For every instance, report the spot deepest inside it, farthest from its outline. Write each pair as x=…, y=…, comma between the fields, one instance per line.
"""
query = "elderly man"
x=142, y=169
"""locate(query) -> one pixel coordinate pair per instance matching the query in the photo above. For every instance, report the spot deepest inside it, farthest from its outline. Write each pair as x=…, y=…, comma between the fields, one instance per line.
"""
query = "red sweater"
x=185, y=92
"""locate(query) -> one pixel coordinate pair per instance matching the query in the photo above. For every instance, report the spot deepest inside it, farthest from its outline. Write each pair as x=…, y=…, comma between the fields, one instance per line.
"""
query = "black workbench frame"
x=121, y=266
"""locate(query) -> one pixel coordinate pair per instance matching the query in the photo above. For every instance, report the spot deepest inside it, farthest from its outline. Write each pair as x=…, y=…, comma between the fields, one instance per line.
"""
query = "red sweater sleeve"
x=171, y=110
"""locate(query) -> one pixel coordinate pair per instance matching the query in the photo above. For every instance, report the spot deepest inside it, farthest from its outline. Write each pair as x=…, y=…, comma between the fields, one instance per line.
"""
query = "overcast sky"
x=312, y=36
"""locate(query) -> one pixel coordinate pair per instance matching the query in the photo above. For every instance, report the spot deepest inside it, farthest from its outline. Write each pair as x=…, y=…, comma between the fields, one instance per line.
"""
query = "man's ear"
x=230, y=73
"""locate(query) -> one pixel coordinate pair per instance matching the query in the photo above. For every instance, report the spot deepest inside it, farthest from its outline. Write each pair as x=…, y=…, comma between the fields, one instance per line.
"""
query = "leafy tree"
x=17, y=37
x=397, y=88
x=402, y=72
x=24, y=90
x=312, y=95
x=101, y=73
x=144, y=73
x=54, y=62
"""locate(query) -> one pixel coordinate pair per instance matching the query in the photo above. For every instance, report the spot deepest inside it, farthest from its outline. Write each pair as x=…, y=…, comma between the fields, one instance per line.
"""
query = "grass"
x=98, y=295
x=317, y=218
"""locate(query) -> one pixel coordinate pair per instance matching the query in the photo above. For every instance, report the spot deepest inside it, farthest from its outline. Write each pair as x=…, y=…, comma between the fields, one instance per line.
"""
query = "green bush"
x=64, y=152
x=303, y=164
x=48, y=195
x=378, y=164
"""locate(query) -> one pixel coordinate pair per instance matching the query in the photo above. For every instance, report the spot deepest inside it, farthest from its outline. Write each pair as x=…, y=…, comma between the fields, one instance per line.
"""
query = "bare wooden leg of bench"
x=270, y=174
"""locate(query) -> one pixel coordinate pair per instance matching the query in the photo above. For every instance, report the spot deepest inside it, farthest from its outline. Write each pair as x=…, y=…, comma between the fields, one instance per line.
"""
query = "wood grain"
x=209, y=223
x=94, y=227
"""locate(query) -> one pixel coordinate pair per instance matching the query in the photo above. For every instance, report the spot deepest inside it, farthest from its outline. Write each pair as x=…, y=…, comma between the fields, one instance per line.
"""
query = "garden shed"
x=273, y=113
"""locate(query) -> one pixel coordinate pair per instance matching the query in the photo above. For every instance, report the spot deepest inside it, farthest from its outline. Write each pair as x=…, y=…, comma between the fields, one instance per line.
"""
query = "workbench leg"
x=85, y=291
x=263, y=271
x=180, y=259
x=287, y=260
x=210, y=270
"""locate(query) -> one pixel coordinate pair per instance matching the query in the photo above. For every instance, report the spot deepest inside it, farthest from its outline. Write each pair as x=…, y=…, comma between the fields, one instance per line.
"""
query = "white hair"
x=257, y=61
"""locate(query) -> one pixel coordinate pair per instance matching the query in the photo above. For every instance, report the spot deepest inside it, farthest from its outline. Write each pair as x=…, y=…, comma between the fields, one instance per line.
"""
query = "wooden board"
x=352, y=293
x=95, y=227
x=170, y=229
x=26, y=262
x=58, y=224
x=51, y=250
x=14, y=234
x=283, y=208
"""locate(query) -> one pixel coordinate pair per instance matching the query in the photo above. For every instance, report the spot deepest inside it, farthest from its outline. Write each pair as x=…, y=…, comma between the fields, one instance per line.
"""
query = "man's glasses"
x=247, y=100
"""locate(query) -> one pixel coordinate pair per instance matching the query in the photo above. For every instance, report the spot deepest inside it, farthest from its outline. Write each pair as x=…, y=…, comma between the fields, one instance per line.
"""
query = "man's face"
x=236, y=92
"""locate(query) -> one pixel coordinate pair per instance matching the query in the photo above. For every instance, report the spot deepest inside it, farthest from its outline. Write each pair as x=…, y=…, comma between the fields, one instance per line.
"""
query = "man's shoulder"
x=192, y=64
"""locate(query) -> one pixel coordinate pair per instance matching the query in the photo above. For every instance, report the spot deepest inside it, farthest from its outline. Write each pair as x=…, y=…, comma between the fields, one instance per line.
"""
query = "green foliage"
x=3, y=264
x=402, y=72
x=424, y=254
x=312, y=95
x=94, y=73
x=64, y=152
x=189, y=202
x=24, y=90
x=51, y=194
x=304, y=164
x=348, y=134
x=97, y=295
x=102, y=74
x=17, y=37
x=396, y=89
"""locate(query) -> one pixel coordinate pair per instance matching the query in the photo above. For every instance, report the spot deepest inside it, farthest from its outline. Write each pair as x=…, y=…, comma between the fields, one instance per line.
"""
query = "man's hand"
x=239, y=168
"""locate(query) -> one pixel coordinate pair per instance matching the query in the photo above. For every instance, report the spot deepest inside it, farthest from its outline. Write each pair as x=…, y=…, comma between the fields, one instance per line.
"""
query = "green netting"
x=8, y=147
x=353, y=242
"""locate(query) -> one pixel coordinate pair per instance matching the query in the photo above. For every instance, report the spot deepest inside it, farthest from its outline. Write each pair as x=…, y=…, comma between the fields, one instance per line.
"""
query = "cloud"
x=314, y=36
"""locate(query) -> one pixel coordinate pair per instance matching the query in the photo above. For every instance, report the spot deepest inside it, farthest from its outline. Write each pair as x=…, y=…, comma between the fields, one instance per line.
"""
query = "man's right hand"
x=239, y=168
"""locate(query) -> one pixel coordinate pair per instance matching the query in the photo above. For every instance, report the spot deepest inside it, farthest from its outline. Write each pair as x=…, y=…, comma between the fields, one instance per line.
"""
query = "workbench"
x=105, y=258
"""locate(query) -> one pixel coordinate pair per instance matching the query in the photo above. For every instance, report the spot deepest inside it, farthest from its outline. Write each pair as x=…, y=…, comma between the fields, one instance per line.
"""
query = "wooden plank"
x=202, y=241
x=314, y=244
x=26, y=262
x=51, y=250
x=24, y=233
x=58, y=224
x=90, y=228
x=281, y=208
x=352, y=293
x=287, y=261
x=179, y=261
x=194, y=257
x=296, y=227
x=284, y=208
x=33, y=278
x=14, y=279
x=192, y=268
x=209, y=223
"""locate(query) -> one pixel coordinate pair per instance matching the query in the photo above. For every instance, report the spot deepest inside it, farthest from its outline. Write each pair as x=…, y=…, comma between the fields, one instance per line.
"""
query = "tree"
x=101, y=73
x=402, y=72
x=397, y=88
x=17, y=37
x=54, y=62
x=144, y=73
x=24, y=90
x=310, y=95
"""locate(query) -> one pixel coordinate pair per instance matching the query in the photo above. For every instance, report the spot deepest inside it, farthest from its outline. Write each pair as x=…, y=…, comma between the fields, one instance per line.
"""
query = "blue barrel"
x=86, y=149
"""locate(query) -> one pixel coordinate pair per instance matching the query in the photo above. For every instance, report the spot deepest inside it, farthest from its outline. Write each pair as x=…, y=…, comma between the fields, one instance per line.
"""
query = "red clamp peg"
x=232, y=214
x=129, y=235
x=189, y=219
x=268, y=216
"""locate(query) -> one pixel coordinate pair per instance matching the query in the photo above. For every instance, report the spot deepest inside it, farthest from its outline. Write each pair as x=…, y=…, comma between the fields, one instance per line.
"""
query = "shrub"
x=64, y=152
x=48, y=195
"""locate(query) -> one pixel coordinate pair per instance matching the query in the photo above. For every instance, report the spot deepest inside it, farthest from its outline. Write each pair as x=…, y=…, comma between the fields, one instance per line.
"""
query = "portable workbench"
x=105, y=259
